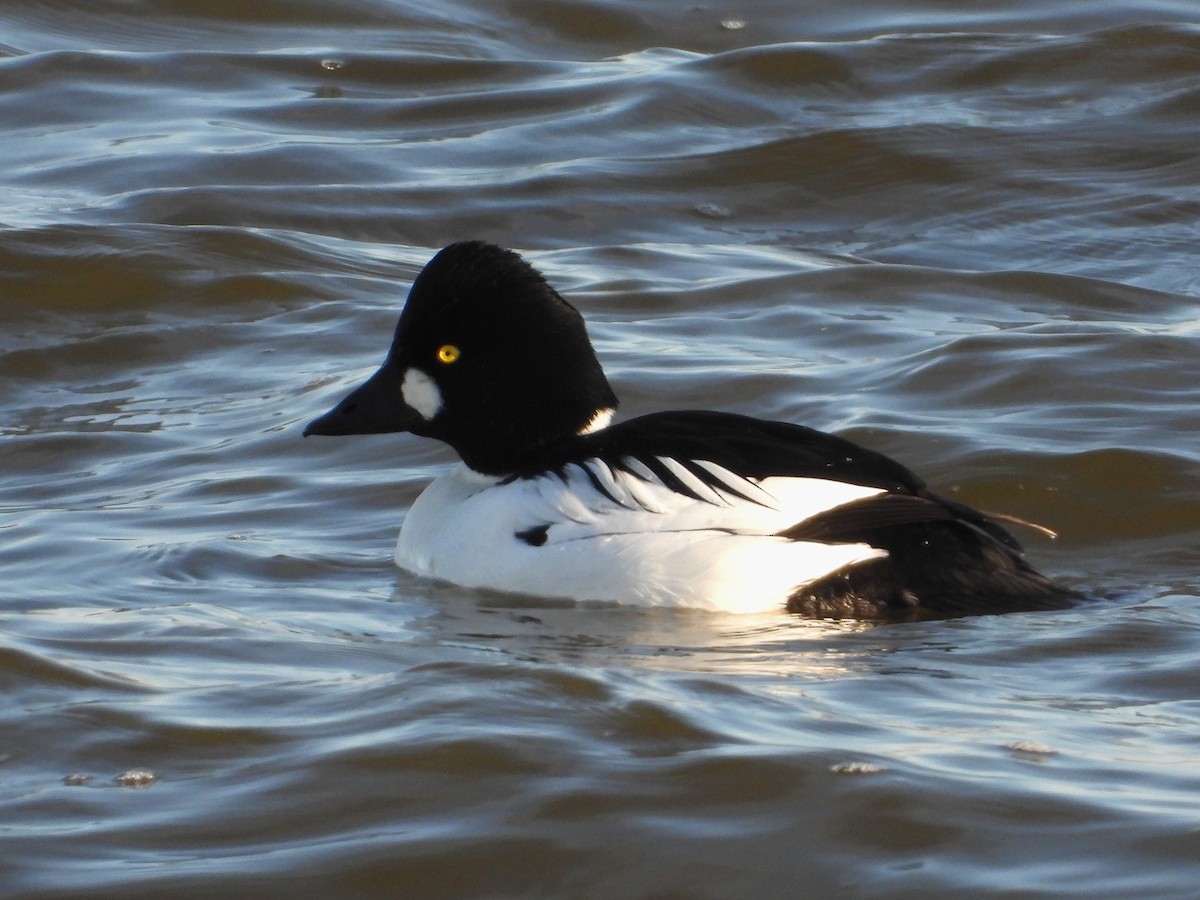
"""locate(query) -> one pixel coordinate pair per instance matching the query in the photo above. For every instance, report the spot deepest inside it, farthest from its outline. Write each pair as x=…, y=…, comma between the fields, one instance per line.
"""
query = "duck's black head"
x=486, y=357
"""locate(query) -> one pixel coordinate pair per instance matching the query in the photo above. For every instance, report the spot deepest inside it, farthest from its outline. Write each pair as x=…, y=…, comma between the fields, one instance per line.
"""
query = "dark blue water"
x=963, y=235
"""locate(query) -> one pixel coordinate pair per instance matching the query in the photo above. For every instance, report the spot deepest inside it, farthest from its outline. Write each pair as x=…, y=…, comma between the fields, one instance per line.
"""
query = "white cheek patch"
x=421, y=393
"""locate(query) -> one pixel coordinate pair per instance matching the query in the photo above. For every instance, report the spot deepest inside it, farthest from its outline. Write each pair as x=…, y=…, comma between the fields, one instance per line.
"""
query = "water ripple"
x=962, y=236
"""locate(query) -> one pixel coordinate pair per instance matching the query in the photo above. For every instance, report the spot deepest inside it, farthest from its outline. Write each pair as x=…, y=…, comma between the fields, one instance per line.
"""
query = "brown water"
x=962, y=233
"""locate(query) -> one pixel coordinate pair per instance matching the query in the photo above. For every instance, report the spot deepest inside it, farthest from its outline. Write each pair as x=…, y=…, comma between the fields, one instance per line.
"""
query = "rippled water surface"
x=962, y=233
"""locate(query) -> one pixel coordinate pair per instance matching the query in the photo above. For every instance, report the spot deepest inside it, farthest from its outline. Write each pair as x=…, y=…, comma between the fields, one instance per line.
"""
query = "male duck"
x=685, y=508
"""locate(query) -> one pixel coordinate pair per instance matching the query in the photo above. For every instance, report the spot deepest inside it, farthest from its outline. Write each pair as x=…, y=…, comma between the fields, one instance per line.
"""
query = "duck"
x=709, y=509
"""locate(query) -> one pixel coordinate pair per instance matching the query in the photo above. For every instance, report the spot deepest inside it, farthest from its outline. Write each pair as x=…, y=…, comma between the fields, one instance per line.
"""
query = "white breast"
x=648, y=546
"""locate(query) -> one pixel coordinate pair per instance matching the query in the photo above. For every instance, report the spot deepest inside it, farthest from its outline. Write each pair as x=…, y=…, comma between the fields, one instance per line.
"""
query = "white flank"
x=421, y=393
x=651, y=547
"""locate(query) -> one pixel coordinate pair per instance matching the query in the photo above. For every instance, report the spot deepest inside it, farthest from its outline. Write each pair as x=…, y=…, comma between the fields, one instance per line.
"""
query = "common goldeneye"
x=685, y=508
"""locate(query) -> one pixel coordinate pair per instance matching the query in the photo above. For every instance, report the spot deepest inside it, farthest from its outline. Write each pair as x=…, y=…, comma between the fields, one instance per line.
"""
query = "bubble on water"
x=77, y=778
x=332, y=65
x=733, y=24
x=857, y=768
x=1031, y=751
x=712, y=210
x=136, y=778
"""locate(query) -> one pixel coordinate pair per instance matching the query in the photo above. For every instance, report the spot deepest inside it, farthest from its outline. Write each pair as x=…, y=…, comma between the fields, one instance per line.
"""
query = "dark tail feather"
x=936, y=569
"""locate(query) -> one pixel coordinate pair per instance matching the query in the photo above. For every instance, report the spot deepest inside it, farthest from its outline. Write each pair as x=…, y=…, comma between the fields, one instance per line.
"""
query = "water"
x=963, y=234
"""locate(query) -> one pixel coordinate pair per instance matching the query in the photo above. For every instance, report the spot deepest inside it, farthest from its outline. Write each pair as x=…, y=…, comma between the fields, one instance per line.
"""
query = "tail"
x=943, y=560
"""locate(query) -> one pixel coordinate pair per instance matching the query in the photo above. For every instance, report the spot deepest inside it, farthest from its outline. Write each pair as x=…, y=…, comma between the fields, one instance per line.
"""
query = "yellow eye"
x=448, y=353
